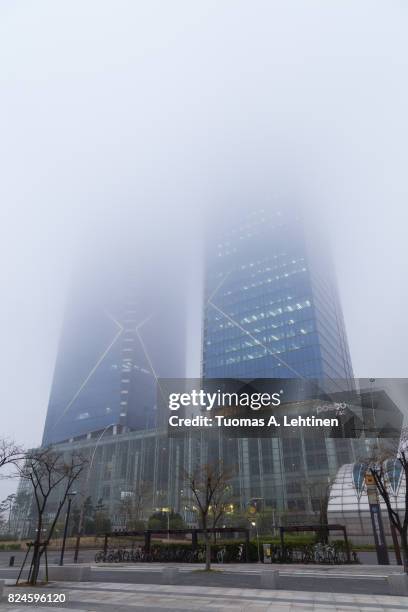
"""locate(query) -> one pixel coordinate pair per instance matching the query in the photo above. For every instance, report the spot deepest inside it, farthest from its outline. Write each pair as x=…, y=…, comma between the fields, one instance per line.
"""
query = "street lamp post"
x=274, y=521
x=70, y=498
x=167, y=511
x=254, y=524
x=372, y=381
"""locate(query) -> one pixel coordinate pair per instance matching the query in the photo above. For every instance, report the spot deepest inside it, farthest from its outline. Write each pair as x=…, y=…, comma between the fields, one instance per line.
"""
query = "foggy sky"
x=121, y=117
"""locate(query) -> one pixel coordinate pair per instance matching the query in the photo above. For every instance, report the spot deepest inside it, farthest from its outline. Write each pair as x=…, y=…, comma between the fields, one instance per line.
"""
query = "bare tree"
x=3, y=519
x=51, y=475
x=220, y=505
x=10, y=453
x=125, y=511
x=207, y=484
x=322, y=492
x=142, y=500
x=376, y=464
x=6, y=507
x=134, y=508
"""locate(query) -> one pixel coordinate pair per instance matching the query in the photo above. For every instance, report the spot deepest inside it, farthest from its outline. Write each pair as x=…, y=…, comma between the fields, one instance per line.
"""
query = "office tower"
x=272, y=310
x=271, y=304
x=123, y=329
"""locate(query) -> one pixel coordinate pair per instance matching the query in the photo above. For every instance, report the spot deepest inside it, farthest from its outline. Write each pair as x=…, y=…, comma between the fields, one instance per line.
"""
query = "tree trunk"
x=207, y=552
x=324, y=532
x=207, y=545
x=404, y=548
x=35, y=563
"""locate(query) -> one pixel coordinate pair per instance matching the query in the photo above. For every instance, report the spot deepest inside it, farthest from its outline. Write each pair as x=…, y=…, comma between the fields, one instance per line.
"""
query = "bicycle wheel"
x=332, y=557
x=99, y=556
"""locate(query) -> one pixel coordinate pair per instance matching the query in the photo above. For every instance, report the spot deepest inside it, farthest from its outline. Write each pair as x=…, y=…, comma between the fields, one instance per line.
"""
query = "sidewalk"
x=286, y=568
x=349, y=580
x=100, y=597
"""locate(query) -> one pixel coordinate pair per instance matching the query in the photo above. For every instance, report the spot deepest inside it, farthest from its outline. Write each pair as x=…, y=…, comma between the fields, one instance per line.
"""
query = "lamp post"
x=254, y=524
x=372, y=381
x=70, y=498
x=167, y=511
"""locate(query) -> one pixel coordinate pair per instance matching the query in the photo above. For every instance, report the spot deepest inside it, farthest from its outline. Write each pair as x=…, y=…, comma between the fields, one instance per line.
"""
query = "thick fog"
x=128, y=123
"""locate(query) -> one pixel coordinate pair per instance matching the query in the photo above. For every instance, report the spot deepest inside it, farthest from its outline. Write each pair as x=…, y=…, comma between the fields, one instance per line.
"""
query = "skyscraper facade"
x=272, y=310
x=271, y=303
x=122, y=331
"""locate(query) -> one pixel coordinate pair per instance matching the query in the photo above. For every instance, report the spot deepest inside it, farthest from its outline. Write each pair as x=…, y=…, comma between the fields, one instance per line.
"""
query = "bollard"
x=170, y=575
x=398, y=584
x=11, y=562
x=2, y=583
x=70, y=572
x=269, y=579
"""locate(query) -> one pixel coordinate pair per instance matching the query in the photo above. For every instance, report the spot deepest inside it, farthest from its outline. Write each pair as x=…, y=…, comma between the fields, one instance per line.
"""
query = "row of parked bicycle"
x=312, y=553
x=181, y=554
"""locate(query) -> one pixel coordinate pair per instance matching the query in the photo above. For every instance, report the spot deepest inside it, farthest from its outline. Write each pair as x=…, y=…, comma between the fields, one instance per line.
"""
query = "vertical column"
x=331, y=456
x=279, y=472
x=376, y=520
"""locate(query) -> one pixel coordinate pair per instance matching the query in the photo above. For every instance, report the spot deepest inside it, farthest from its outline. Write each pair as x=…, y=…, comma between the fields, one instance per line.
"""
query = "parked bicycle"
x=312, y=553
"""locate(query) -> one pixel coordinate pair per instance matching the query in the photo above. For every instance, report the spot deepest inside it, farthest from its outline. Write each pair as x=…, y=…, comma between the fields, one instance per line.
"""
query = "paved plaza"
x=354, y=579
x=103, y=597
x=123, y=587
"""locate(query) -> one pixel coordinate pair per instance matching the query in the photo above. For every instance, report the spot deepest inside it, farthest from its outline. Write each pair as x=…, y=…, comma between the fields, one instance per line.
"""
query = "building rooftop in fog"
x=271, y=303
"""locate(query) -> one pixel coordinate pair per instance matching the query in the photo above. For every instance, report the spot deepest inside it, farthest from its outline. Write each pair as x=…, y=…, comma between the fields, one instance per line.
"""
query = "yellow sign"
x=369, y=479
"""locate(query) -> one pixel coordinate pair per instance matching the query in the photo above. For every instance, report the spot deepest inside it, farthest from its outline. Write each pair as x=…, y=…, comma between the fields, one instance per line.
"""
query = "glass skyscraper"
x=271, y=304
x=122, y=331
x=272, y=310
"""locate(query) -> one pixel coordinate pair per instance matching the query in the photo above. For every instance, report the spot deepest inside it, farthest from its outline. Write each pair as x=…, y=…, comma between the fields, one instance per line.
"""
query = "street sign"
x=267, y=553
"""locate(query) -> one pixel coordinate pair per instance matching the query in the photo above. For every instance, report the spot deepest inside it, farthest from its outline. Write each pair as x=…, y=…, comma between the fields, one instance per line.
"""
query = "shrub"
x=10, y=546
